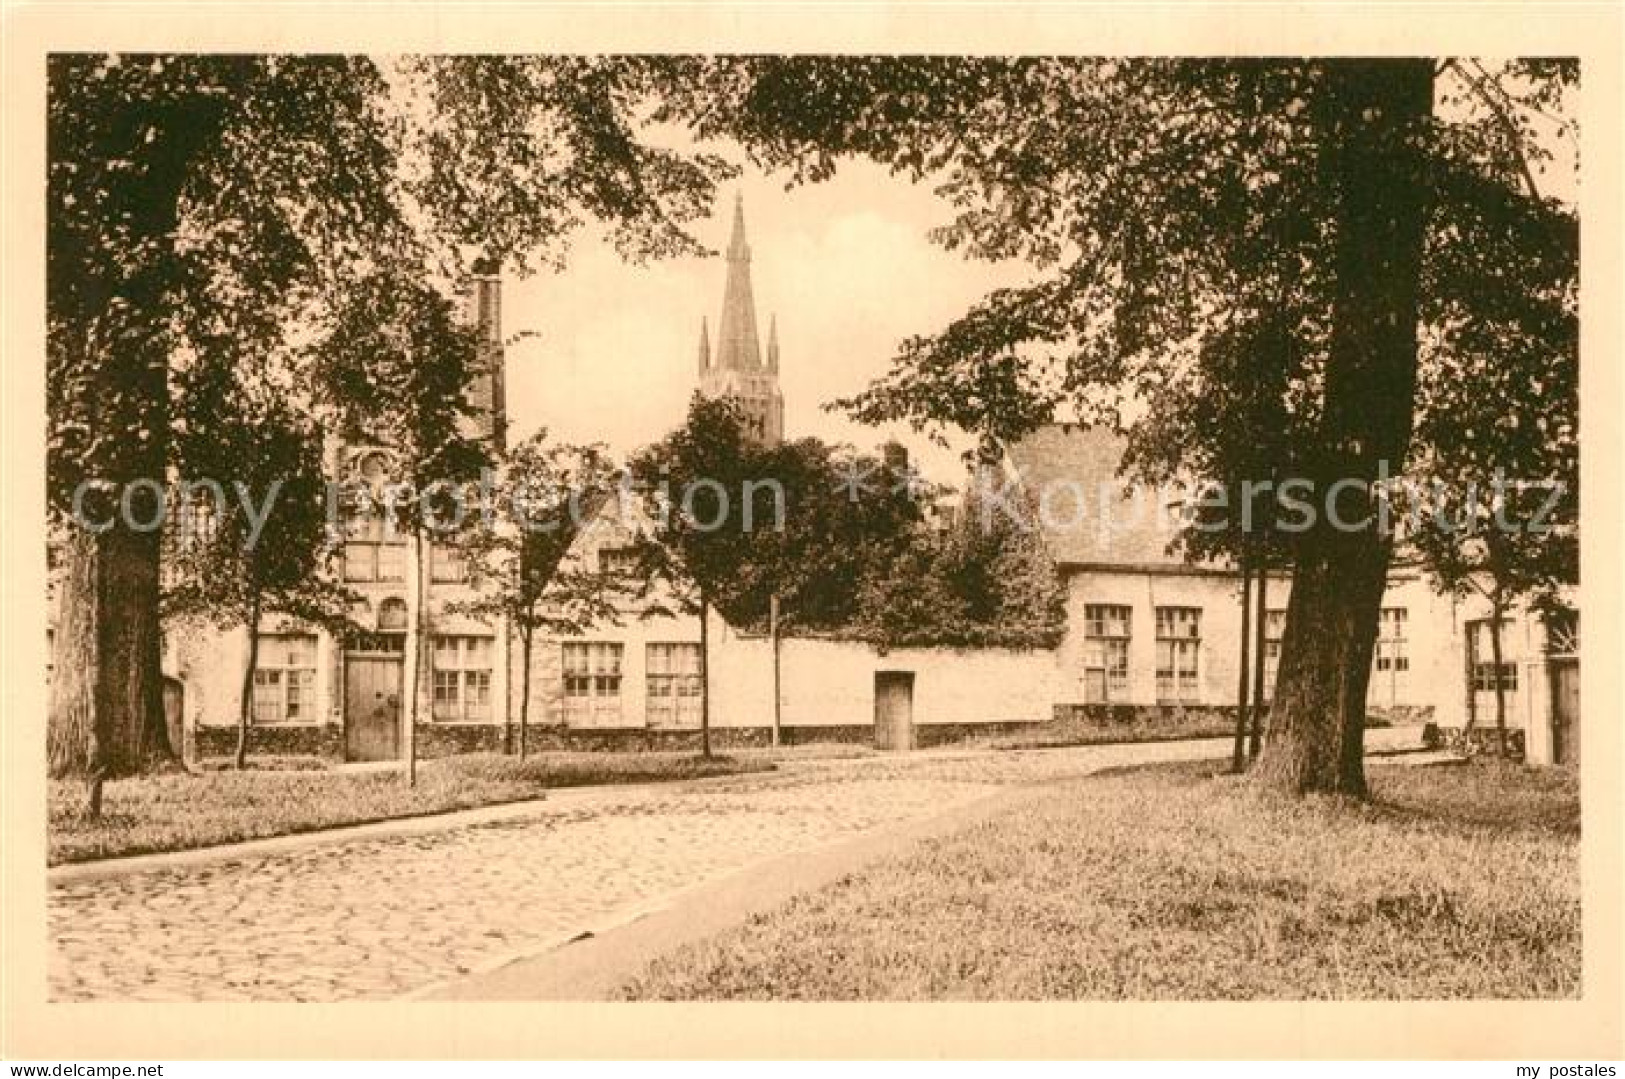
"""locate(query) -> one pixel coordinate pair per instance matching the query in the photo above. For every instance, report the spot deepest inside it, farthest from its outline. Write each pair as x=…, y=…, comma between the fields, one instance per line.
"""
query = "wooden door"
x=372, y=707
x=1566, y=711
x=894, y=710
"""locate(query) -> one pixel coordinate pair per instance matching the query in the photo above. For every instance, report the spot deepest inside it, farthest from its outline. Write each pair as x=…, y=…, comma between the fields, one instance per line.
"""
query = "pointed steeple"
x=705, y=347
x=738, y=347
x=773, y=343
x=737, y=247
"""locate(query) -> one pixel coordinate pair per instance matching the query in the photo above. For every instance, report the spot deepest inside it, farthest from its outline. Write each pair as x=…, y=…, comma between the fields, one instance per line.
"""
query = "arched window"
x=392, y=614
x=373, y=468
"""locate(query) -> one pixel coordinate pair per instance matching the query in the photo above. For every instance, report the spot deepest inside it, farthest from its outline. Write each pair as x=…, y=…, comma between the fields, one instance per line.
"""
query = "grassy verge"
x=1076, y=732
x=1171, y=884
x=183, y=812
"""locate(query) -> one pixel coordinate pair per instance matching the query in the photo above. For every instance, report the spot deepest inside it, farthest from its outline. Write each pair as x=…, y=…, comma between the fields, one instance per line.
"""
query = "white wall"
x=832, y=683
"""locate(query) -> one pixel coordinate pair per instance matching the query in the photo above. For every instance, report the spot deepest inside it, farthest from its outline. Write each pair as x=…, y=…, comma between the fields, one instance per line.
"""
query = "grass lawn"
x=1075, y=731
x=181, y=811
x=1171, y=884
x=1072, y=731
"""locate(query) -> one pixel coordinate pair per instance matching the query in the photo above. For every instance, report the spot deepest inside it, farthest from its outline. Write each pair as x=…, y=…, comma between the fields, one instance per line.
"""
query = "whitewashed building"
x=1151, y=643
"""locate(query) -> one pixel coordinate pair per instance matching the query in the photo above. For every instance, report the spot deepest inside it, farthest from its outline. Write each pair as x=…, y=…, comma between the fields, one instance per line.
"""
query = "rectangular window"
x=617, y=561
x=673, y=682
x=1391, y=655
x=1481, y=650
x=372, y=552
x=1179, y=647
x=592, y=682
x=1484, y=677
x=1106, y=631
x=446, y=563
x=462, y=678
x=285, y=679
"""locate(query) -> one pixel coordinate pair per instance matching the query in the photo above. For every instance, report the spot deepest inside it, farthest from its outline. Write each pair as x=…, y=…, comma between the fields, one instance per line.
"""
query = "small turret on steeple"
x=773, y=343
x=705, y=347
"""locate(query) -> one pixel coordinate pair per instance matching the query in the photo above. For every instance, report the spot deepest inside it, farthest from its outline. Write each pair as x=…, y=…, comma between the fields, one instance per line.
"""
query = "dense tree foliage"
x=193, y=199
x=985, y=580
x=1180, y=214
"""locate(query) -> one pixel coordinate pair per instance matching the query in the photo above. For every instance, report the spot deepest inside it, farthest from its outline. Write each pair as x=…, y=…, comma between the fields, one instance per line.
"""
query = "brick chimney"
x=488, y=390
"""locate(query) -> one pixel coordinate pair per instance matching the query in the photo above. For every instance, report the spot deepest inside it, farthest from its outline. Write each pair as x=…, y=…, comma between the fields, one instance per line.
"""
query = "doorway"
x=374, y=667
x=1565, y=711
x=894, y=710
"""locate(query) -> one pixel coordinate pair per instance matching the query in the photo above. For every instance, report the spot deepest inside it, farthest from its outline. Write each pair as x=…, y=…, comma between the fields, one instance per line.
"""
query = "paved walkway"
x=384, y=916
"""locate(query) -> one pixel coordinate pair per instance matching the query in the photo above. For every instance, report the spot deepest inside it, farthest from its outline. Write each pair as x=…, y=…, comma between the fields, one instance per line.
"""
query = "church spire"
x=735, y=370
x=738, y=346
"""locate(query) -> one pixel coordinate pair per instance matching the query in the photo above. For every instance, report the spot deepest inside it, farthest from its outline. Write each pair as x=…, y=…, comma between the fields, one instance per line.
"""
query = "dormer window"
x=618, y=561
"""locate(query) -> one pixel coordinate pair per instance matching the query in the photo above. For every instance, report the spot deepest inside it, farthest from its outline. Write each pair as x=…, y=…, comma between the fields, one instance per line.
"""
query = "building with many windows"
x=1149, y=633
x=1150, y=638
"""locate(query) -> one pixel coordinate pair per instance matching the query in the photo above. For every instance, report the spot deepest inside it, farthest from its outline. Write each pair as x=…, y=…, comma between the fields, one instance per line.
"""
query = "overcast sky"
x=846, y=265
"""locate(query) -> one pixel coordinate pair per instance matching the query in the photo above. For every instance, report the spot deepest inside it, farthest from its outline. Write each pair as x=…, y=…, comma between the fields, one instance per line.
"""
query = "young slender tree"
x=258, y=542
x=546, y=496
x=694, y=482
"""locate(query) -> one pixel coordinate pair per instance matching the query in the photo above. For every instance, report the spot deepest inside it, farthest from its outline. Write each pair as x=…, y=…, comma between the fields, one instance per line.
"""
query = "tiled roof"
x=1113, y=523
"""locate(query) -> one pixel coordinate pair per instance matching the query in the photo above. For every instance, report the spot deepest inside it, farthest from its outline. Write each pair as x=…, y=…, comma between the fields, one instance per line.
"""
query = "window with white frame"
x=1481, y=649
x=1391, y=655
x=672, y=677
x=446, y=563
x=372, y=550
x=1179, y=649
x=592, y=682
x=1106, y=635
x=285, y=678
x=1390, y=659
x=462, y=678
x=618, y=561
x=1274, y=629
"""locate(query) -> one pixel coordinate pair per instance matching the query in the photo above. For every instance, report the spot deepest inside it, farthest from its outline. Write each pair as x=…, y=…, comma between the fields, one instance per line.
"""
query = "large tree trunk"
x=106, y=709
x=1374, y=167
x=111, y=338
x=1238, y=756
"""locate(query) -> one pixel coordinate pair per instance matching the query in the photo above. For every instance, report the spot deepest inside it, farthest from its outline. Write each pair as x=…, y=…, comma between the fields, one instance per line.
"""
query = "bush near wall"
x=1089, y=724
x=1476, y=742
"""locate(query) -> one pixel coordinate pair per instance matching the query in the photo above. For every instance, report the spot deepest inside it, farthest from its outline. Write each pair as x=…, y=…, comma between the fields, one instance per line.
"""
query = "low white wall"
x=827, y=683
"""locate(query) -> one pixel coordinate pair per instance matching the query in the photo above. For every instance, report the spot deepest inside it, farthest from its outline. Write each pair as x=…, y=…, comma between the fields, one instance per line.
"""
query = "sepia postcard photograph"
x=1060, y=527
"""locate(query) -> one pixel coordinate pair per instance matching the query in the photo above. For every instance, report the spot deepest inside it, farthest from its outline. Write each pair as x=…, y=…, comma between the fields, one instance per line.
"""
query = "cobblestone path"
x=377, y=918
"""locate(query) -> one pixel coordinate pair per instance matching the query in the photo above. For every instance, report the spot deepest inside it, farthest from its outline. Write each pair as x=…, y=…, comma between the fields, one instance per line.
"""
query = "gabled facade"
x=1148, y=633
